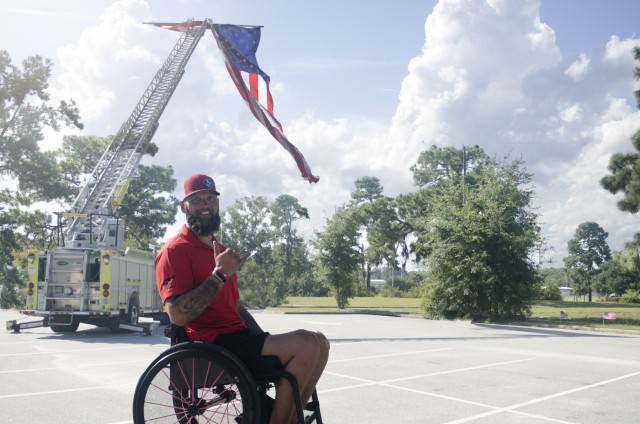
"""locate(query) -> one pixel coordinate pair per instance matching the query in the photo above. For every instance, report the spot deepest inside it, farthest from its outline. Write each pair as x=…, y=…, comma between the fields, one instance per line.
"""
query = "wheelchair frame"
x=194, y=382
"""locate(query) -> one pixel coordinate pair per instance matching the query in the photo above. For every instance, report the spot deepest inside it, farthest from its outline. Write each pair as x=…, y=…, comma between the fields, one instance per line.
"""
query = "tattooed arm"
x=187, y=306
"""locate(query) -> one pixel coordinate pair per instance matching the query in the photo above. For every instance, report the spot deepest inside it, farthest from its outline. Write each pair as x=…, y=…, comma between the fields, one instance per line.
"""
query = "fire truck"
x=89, y=278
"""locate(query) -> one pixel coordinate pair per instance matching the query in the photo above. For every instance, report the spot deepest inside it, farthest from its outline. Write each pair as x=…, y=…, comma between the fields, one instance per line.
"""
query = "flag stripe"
x=256, y=95
x=273, y=126
x=253, y=86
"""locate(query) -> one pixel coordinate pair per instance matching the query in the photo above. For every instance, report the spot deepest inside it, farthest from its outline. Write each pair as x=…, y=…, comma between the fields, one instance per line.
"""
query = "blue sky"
x=361, y=88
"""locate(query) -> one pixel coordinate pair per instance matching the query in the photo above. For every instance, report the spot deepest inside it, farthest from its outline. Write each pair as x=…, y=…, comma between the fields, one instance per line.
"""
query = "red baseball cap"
x=197, y=183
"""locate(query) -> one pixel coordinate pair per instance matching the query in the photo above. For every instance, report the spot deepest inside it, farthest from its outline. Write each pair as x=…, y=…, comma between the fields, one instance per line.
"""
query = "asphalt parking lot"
x=381, y=370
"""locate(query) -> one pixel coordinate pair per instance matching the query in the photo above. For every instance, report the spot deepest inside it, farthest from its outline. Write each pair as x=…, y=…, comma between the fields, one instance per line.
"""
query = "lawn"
x=581, y=314
x=587, y=314
x=396, y=305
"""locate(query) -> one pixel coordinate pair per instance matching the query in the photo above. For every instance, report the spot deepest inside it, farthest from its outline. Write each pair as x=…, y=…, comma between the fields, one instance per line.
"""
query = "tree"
x=77, y=158
x=556, y=276
x=18, y=231
x=367, y=189
x=148, y=207
x=246, y=228
x=338, y=254
x=385, y=233
x=625, y=177
x=280, y=264
x=438, y=169
x=25, y=111
x=614, y=279
x=629, y=258
x=447, y=165
x=480, y=256
x=624, y=168
x=636, y=74
x=588, y=250
x=289, y=249
x=414, y=212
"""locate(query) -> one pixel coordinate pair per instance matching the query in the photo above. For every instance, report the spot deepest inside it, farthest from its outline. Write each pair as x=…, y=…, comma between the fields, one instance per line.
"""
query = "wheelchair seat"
x=202, y=382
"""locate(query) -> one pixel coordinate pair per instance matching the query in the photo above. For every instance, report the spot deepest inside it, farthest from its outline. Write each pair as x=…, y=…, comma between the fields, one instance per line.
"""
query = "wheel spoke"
x=195, y=386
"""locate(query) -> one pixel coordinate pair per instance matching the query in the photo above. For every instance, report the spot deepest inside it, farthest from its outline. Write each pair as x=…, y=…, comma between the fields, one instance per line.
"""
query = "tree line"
x=469, y=223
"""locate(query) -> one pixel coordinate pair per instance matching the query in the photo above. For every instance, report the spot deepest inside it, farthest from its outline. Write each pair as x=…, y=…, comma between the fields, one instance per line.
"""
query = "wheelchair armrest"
x=176, y=334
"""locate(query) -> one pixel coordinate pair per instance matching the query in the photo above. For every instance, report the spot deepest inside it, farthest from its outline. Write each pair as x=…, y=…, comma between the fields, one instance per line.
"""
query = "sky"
x=361, y=88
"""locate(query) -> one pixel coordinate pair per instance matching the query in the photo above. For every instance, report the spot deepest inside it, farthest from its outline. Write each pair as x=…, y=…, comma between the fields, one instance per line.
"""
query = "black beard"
x=204, y=226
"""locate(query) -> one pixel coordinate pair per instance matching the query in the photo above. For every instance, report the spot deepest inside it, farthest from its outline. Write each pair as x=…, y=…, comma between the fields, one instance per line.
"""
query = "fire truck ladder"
x=104, y=189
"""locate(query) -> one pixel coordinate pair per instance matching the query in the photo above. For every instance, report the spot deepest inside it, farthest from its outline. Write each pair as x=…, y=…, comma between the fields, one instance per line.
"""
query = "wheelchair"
x=195, y=382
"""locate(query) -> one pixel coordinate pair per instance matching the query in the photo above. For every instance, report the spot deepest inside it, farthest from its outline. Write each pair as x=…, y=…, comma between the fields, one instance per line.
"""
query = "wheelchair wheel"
x=196, y=383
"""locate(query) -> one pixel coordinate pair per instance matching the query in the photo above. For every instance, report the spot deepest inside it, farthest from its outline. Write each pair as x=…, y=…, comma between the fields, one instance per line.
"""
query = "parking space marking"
x=48, y=352
x=413, y=377
x=544, y=398
x=469, y=402
x=107, y=338
x=335, y=361
x=55, y=392
x=91, y=365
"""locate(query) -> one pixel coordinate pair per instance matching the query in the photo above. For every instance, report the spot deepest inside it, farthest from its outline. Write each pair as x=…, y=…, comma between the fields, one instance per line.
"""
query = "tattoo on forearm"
x=192, y=303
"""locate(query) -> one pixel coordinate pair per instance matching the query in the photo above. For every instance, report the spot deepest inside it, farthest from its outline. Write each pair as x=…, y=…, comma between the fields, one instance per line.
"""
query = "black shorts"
x=243, y=344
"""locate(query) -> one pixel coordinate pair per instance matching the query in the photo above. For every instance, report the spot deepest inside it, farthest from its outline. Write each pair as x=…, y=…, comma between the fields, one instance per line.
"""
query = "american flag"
x=238, y=45
x=175, y=26
x=609, y=315
x=564, y=315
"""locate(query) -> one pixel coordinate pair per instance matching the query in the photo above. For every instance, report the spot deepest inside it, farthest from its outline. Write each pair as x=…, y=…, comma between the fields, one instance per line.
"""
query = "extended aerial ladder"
x=91, y=216
x=89, y=279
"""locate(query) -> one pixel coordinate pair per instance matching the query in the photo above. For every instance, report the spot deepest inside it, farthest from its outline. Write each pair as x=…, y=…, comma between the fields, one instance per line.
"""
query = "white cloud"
x=578, y=68
x=620, y=50
x=108, y=60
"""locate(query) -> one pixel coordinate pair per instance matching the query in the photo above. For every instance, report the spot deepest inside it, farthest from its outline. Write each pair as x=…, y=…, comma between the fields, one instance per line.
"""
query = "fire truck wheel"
x=72, y=328
x=134, y=311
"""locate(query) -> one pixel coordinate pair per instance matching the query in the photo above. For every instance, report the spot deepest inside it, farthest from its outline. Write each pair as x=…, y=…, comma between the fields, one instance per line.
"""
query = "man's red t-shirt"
x=184, y=263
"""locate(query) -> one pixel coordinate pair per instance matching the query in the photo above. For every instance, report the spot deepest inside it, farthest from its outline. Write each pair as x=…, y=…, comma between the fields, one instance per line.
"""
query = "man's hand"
x=229, y=261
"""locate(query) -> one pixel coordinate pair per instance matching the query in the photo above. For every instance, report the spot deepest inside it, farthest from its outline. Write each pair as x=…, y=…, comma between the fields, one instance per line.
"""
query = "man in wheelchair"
x=197, y=281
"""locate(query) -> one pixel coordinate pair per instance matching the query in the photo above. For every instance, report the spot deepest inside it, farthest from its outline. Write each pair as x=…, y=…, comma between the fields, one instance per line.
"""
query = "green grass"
x=395, y=305
x=581, y=314
x=587, y=314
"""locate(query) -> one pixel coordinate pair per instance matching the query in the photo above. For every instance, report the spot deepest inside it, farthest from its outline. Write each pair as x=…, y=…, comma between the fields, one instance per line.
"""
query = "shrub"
x=630, y=296
x=388, y=291
x=550, y=292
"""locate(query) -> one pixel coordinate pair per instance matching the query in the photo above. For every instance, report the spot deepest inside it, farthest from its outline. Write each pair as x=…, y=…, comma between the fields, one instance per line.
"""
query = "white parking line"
x=494, y=409
x=91, y=365
x=48, y=352
x=335, y=361
x=542, y=399
x=413, y=377
x=55, y=392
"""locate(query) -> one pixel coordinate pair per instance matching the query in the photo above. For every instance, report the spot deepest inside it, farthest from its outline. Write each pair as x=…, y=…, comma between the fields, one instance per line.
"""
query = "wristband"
x=217, y=274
